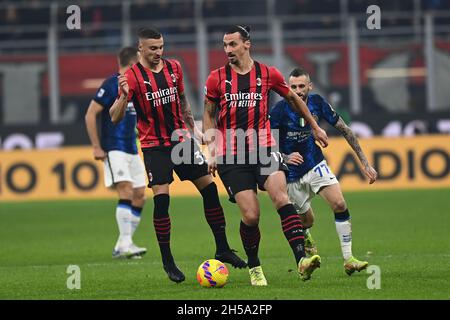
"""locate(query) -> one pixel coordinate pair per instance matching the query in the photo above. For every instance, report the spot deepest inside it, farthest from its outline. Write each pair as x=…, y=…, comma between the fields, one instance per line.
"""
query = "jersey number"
x=200, y=156
x=319, y=171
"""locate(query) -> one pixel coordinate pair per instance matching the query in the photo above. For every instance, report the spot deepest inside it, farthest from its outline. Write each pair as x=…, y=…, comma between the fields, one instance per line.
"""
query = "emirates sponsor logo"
x=243, y=99
x=162, y=96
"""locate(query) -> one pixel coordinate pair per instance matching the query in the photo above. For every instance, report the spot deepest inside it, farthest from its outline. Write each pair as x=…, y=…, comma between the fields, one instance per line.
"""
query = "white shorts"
x=121, y=166
x=302, y=191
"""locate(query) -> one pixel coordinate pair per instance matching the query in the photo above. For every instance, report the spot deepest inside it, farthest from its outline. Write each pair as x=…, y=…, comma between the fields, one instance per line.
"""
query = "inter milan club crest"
x=174, y=78
x=258, y=82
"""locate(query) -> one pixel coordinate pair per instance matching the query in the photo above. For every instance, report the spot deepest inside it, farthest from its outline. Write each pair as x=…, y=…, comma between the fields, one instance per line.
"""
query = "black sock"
x=342, y=216
x=250, y=239
x=215, y=217
x=161, y=223
x=136, y=211
x=293, y=230
x=124, y=202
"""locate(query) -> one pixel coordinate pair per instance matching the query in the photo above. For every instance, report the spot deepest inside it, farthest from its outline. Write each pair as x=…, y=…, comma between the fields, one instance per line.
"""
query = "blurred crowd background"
x=100, y=13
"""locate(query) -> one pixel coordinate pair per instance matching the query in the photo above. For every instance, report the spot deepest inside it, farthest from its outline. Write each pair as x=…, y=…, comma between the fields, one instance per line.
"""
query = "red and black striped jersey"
x=156, y=98
x=243, y=105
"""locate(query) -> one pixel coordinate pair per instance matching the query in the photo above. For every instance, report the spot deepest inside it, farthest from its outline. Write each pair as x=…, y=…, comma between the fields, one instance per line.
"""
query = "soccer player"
x=309, y=173
x=156, y=87
x=238, y=92
x=123, y=168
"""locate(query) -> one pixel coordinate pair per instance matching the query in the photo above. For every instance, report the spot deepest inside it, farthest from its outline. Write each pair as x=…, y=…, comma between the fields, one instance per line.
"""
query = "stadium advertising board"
x=402, y=163
x=70, y=173
x=65, y=173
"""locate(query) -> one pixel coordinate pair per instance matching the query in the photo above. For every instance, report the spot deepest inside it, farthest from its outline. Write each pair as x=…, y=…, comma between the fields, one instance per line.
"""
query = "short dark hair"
x=126, y=55
x=149, y=33
x=244, y=31
x=298, y=72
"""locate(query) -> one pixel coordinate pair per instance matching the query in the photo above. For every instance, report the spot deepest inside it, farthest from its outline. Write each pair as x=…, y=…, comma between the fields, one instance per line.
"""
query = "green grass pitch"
x=405, y=233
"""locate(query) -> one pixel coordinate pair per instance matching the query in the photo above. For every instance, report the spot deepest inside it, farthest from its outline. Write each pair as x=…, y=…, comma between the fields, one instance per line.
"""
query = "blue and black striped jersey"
x=122, y=136
x=295, y=134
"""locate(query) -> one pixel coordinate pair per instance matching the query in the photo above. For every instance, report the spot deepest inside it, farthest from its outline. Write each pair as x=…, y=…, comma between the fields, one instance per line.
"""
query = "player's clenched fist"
x=212, y=166
x=123, y=84
x=99, y=153
x=371, y=173
x=321, y=136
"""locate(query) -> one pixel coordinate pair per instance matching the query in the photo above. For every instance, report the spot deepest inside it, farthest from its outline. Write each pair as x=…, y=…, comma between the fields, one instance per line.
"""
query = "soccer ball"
x=212, y=273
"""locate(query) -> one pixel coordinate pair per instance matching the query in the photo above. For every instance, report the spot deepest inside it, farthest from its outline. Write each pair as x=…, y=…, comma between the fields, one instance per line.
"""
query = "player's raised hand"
x=123, y=84
x=321, y=136
x=294, y=158
x=99, y=153
x=371, y=173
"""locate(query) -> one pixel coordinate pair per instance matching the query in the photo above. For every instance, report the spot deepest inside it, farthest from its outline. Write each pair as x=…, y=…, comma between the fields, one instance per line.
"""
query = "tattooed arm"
x=189, y=118
x=209, y=130
x=352, y=140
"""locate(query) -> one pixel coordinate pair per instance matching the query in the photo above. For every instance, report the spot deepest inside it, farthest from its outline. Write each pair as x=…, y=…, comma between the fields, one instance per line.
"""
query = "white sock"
x=306, y=231
x=135, y=220
x=344, y=231
x=123, y=218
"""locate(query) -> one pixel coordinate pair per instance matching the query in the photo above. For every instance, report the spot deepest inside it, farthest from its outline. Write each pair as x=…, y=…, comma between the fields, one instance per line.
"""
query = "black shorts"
x=240, y=177
x=185, y=158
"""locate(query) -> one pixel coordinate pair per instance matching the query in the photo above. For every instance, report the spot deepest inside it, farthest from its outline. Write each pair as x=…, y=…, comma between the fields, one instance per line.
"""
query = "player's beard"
x=303, y=97
x=156, y=60
x=233, y=60
x=152, y=61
